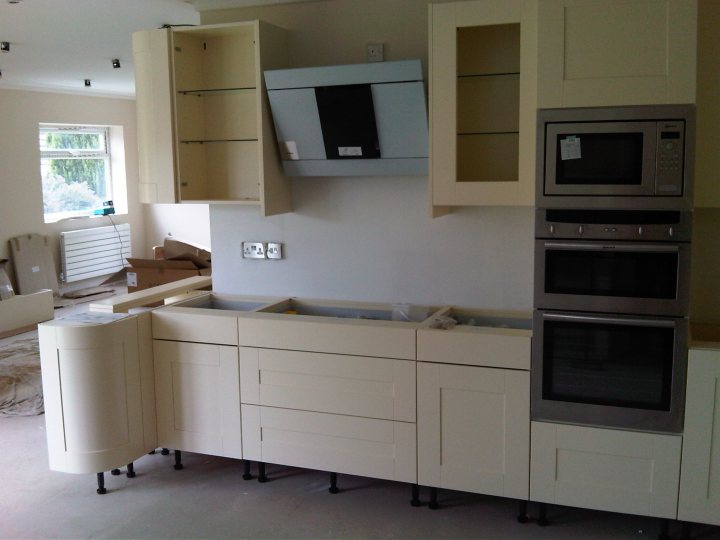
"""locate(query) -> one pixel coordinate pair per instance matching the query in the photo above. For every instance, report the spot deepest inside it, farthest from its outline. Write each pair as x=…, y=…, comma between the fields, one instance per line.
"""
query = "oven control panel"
x=656, y=226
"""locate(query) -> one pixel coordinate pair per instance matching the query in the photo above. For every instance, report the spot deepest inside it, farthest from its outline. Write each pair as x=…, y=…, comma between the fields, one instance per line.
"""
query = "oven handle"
x=609, y=320
x=574, y=246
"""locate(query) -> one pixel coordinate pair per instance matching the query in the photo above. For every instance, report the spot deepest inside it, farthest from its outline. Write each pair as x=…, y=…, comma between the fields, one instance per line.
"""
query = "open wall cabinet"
x=205, y=132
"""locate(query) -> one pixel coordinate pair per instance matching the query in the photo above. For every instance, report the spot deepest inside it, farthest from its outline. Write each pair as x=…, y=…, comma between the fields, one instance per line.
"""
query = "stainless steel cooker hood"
x=352, y=120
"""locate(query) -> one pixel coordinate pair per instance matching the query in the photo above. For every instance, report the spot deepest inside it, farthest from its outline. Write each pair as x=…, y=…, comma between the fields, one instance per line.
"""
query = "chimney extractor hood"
x=353, y=120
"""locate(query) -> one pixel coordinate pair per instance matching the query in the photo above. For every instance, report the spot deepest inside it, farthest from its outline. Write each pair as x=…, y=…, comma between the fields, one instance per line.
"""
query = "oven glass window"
x=605, y=159
x=608, y=364
x=611, y=273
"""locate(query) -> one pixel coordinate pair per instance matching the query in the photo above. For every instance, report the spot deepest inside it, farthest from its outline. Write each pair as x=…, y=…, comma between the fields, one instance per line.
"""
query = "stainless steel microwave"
x=616, y=157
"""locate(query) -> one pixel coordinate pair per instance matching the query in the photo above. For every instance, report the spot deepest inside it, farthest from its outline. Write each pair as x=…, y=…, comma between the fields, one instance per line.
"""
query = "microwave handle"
x=580, y=246
x=608, y=320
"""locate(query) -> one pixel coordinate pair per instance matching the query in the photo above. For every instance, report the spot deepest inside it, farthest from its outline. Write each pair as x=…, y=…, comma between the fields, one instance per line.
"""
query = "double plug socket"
x=262, y=250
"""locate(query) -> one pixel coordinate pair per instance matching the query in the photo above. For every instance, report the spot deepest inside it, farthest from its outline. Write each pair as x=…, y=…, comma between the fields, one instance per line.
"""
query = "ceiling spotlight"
x=116, y=63
x=5, y=46
x=88, y=82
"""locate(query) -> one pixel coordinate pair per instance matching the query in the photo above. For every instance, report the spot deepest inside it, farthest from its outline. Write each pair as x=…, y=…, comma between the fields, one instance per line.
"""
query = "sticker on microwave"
x=350, y=150
x=570, y=148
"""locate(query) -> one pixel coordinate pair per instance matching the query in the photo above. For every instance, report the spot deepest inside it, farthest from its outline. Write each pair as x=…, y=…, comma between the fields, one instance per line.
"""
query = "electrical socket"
x=253, y=250
x=375, y=52
x=274, y=250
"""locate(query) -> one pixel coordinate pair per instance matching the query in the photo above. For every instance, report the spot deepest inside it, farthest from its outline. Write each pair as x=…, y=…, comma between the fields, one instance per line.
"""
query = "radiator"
x=94, y=252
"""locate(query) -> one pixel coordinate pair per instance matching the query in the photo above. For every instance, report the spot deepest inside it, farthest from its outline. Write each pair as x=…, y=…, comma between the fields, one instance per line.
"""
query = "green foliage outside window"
x=79, y=170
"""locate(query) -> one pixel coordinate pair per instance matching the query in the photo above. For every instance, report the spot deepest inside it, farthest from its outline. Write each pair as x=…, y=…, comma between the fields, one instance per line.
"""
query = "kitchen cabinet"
x=197, y=382
x=483, y=95
x=700, y=478
x=473, y=420
x=344, y=414
x=614, y=52
x=98, y=389
x=605, y=469
x=205, y=132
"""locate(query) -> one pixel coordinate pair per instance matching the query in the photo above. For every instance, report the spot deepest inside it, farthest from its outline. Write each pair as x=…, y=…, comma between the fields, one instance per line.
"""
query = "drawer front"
x=198, y=328
x=604, y=469
x=503, y=348
x=330, y=442
x=351, y=385
x=358, y=337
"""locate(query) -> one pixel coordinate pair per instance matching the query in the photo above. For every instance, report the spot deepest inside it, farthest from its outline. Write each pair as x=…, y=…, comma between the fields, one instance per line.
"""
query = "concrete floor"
x=209, y=499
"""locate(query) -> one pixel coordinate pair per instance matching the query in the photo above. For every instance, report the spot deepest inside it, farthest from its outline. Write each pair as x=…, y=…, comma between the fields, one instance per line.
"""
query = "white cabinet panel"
x=331, y=442
x=700, y=479
x=604, y=469
x=474, y=429
x=614, y=52
x=217, y=327
x=198, y=397
x=352, y=385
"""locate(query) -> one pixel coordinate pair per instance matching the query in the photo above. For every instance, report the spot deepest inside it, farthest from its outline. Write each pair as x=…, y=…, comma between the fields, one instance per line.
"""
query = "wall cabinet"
x=700, y=479
x=614, y=52
x=474, y=419
x=205, y=132
x=483, y=61
x=604, y=469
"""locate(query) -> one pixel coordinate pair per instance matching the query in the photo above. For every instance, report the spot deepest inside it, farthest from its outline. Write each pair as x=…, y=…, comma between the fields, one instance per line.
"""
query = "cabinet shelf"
x=473, y=133
x=202, y=91
x=203, y=141
x=503, y=74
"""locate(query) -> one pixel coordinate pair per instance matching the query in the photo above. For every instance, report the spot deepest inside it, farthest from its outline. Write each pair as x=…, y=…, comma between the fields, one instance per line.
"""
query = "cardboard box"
x=6, y=288
x=174, y=249
x=146, y=273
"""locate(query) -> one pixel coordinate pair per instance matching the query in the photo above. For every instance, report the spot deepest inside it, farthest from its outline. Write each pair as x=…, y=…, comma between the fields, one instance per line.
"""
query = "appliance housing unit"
x=351, y=120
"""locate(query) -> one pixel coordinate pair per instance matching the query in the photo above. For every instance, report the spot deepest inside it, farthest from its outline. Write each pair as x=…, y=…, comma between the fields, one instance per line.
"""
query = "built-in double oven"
x=612, y=283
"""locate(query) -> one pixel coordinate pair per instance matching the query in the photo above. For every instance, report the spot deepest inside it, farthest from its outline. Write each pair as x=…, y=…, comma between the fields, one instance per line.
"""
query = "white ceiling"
x=56, y=44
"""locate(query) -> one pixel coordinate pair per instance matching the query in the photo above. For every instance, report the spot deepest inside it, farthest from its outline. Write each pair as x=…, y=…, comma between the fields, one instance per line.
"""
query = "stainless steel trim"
x=594, y=319
x=599, y=246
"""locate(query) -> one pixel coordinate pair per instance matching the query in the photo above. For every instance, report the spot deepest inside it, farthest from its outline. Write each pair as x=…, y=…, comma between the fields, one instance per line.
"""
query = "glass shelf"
x=205, y=91
x=203, y=141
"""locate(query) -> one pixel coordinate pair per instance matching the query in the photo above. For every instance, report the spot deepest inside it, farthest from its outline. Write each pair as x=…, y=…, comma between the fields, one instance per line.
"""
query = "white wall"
x=21, y=203
x=370, y=238
x=185, y=222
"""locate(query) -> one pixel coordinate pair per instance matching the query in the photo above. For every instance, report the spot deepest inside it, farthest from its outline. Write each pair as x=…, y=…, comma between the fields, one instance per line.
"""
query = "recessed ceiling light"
x=5, y=46
x=88, y=82
x=116, y=63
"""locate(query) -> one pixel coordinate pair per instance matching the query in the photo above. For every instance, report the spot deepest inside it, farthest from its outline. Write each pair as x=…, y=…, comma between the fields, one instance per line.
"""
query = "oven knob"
x=640, y=231
x=580, y=229
x=671, y=232
x=552, y=229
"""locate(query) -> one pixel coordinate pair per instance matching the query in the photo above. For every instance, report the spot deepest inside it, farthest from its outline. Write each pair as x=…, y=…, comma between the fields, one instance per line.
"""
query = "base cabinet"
x=473, y=429
x=198, y=397
x=700, y=479
x=603, y=469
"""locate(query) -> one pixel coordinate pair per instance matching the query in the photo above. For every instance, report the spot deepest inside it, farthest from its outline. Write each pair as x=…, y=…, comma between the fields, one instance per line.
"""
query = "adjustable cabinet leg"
x=664, y=530
x=101, y=484
x=246, y=471
x=433, y=504
x=415, y=501
x=262, y=477
x=130, y=470
x=522, y=511
x=151, y=453
x=178, y=460
x=542, y=516
x=333, y=483
x=115, y=472
x=165, y=451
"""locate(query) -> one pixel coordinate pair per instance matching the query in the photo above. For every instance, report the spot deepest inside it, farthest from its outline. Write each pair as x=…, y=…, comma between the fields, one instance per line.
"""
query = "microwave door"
x=600, y=158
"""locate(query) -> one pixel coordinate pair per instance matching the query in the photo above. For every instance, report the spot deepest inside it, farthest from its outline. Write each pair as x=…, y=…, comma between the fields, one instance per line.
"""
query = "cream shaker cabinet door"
x=198, y=397
x=700, y=478
x=615, y=52
x=605, y=469
x=154, y=105
x=483, y=62
x=474, y=429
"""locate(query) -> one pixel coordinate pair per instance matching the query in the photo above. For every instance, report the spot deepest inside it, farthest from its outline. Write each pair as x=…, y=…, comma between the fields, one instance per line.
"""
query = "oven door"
x=610, y=371
x=600, y=158
x=613, y=277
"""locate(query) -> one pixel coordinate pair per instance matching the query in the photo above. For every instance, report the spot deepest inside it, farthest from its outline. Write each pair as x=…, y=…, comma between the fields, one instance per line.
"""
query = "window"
x=76, y=167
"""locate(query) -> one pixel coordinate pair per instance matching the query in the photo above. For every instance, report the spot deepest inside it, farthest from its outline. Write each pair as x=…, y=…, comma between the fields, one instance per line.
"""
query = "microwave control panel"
x=670, y=150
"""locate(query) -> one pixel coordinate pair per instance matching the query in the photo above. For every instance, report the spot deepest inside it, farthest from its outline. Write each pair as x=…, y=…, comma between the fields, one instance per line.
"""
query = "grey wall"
x=372, y=239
